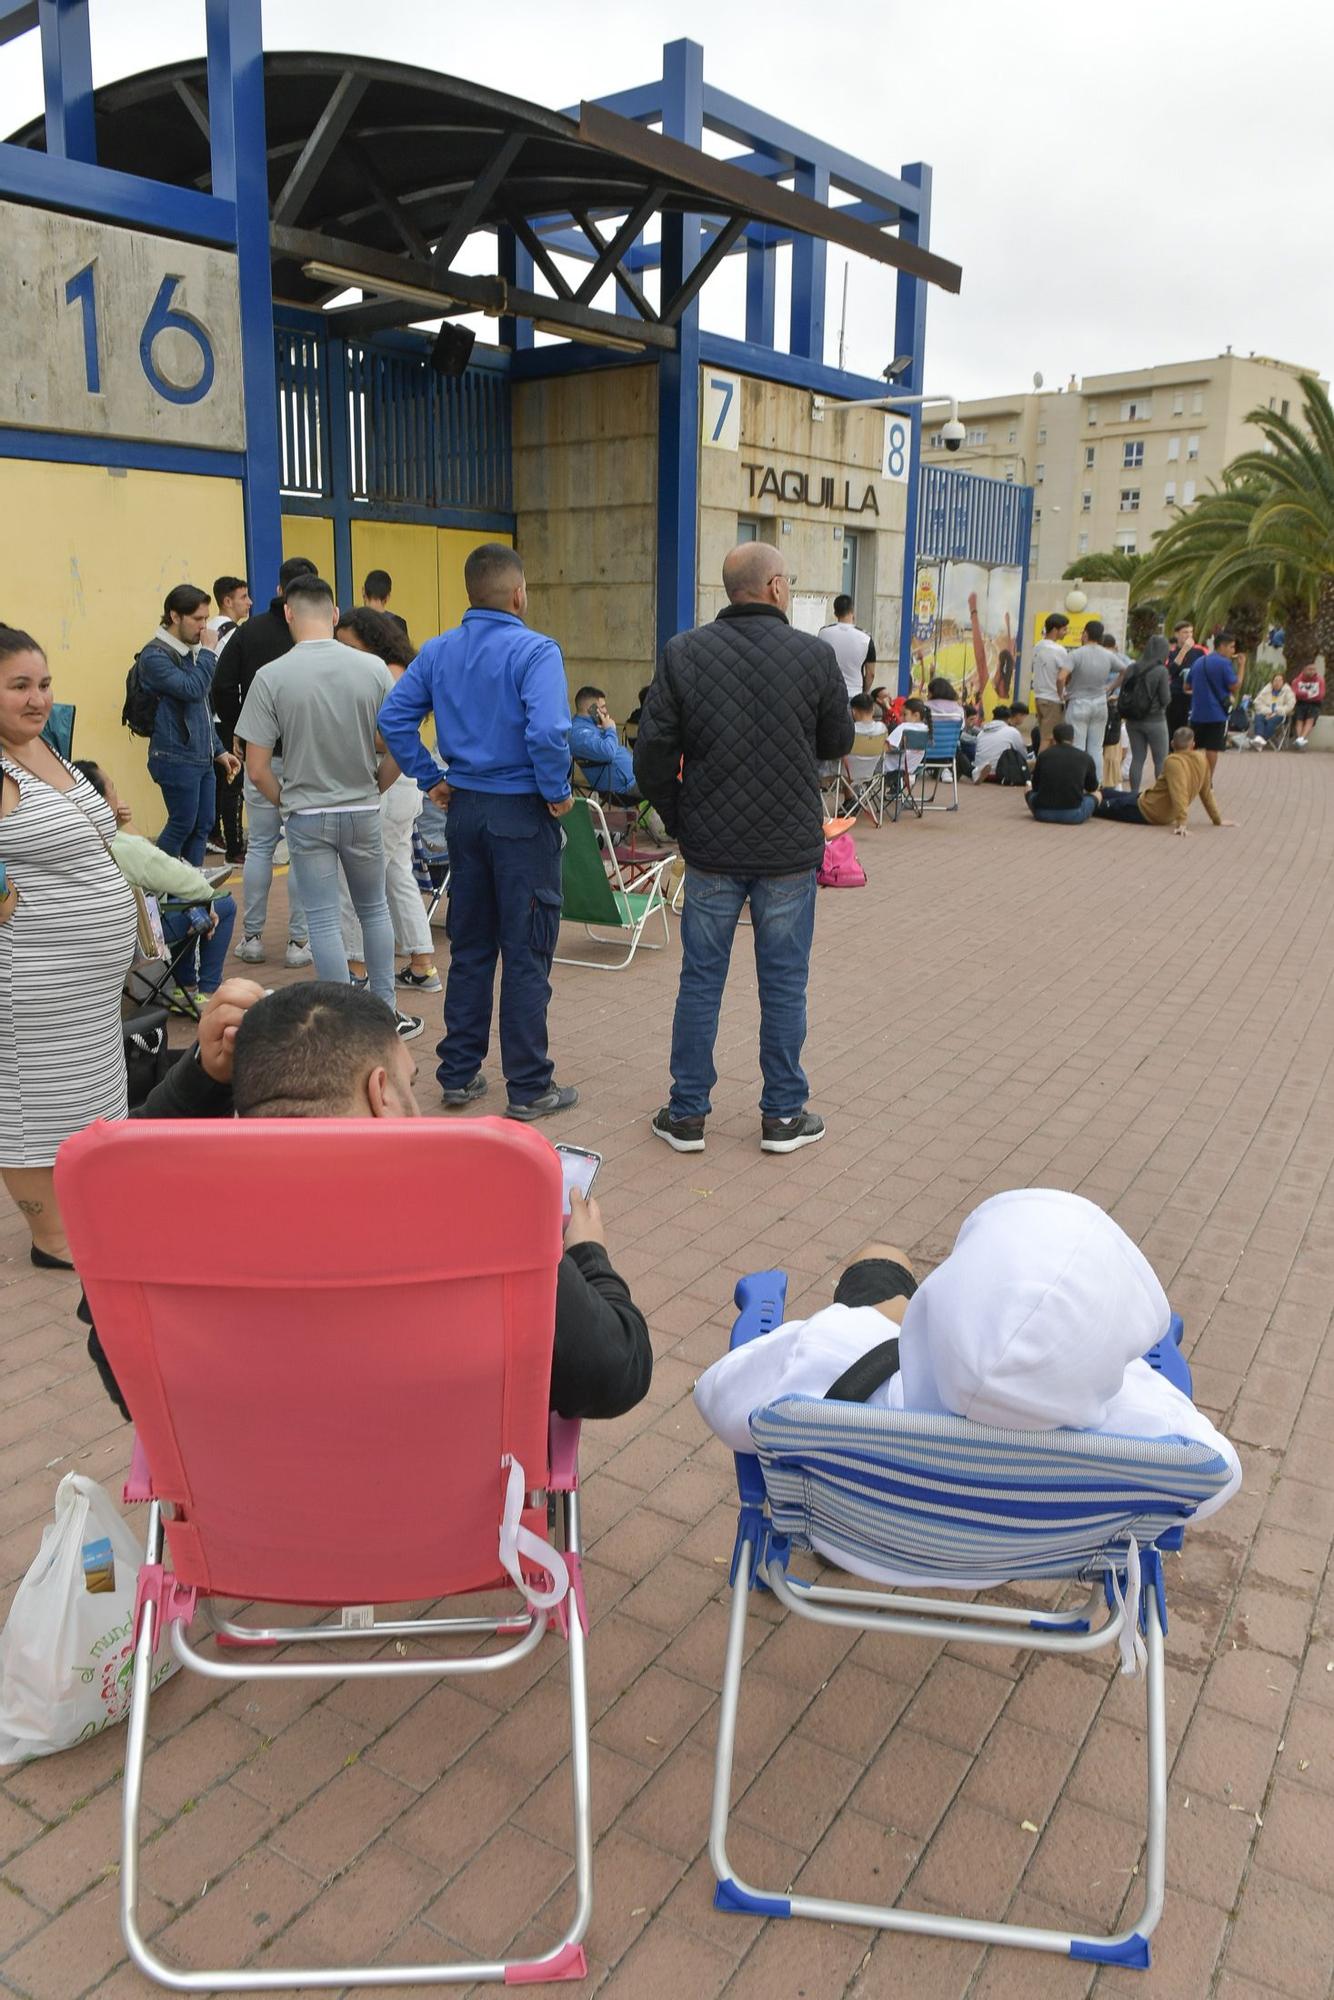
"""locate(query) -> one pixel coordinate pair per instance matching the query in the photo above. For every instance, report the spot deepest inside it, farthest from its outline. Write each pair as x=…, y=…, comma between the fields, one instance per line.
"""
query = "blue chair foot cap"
x=1133, y=1952
x=729, y=1896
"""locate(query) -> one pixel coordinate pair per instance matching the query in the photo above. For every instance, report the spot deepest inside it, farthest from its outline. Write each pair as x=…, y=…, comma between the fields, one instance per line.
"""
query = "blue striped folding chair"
x=940, y=762
x=935, y=1498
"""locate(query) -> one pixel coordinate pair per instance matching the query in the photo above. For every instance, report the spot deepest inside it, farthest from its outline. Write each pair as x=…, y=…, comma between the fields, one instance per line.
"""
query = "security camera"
x=953, y=435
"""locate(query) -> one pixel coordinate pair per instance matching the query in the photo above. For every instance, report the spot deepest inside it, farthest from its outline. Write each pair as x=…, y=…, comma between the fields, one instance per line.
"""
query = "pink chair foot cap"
x=570, y=1963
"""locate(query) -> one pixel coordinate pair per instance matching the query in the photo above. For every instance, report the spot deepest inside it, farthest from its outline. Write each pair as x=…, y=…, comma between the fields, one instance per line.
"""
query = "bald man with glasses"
x=740, y=716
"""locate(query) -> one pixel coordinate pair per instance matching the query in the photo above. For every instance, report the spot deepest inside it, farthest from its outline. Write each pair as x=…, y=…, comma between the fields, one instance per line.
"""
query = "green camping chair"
x=598, y=899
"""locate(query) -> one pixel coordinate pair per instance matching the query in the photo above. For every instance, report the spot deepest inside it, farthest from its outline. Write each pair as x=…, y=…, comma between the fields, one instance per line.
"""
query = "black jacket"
x=602, y=1359
x=753, y=706
x=262, y=638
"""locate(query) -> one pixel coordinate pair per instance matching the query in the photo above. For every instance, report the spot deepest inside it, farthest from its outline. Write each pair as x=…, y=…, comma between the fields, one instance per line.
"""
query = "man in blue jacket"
x=502, y=725
x=1213, y=681
x=185, y=751
x=598, y=750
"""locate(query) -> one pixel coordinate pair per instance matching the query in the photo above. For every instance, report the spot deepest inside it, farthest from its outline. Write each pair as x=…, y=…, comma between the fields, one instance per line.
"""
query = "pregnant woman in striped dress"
x=67, y=936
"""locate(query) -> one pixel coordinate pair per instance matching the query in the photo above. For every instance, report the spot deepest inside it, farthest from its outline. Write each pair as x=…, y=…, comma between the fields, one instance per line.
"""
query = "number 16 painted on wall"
x=163, y=317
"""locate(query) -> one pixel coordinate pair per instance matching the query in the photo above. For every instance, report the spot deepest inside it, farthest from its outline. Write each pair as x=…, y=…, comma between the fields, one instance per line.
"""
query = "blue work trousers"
x=504, y=902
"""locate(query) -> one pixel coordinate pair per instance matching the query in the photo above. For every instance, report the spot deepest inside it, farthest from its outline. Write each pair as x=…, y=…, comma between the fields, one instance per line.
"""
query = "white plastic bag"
x=66, y=1653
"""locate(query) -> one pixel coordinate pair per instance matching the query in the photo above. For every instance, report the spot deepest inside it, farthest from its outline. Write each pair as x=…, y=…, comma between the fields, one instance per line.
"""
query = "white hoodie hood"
x=988, y=1335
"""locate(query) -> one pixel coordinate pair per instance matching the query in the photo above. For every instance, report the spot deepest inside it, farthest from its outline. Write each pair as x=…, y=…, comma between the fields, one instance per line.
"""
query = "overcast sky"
x=1121, y=186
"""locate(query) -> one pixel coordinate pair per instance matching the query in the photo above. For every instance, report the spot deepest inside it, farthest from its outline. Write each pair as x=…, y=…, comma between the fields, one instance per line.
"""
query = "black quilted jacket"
x=753, y=707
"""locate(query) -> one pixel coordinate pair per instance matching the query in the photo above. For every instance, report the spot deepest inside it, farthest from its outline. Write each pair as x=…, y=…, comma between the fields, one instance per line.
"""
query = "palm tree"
x=1262, y=541
x=1120, y=566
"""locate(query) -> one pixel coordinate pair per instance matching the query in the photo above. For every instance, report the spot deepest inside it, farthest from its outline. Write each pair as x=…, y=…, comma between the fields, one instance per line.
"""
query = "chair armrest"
x=563, y=1454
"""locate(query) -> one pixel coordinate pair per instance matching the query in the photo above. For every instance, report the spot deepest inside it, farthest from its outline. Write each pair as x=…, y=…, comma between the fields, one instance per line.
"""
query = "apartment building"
x=1108, y=458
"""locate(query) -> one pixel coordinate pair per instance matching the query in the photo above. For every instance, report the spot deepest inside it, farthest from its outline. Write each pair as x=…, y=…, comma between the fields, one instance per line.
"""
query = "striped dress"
x=63, y=958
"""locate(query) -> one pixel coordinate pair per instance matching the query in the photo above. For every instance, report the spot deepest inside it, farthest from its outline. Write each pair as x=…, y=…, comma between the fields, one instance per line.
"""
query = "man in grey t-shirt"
x=1084, y=685
x=321, y=699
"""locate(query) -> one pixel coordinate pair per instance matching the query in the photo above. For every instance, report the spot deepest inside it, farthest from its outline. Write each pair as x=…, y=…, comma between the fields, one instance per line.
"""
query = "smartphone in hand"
x=579, y=1169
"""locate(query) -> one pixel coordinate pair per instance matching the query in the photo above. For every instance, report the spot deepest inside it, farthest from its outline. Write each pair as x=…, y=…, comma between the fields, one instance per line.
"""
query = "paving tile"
x=1283, y=1936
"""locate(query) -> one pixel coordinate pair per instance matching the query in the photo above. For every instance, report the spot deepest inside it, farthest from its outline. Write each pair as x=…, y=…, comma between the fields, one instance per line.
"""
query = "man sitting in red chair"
x=318, y=1050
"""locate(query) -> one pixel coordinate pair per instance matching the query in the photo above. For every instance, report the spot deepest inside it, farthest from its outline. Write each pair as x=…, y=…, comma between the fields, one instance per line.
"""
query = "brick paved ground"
x=1146, y=1020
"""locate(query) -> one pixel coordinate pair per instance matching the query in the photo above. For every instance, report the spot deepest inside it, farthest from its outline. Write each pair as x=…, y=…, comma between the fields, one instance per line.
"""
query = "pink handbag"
x=840, y=868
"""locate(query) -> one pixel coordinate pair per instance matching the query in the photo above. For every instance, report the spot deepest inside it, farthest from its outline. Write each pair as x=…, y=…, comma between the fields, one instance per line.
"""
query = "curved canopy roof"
x=401, y=164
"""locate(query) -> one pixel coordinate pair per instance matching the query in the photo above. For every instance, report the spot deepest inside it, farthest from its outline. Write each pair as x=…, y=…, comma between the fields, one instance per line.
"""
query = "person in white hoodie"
x=1036, y=1320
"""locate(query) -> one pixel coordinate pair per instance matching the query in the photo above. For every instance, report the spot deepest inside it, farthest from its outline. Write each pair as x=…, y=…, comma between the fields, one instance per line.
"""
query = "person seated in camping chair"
x=319, y=1050
x=606, y=764
x=1037, y=1320
x=199, y=905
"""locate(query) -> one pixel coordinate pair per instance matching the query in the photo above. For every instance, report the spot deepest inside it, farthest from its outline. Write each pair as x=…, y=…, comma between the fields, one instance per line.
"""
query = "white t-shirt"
x=850, y=647
x=897, y=752
x=992, y=738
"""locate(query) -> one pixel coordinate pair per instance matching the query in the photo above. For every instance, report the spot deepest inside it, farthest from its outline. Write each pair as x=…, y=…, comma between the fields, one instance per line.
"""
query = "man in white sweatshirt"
x=1037, y=1320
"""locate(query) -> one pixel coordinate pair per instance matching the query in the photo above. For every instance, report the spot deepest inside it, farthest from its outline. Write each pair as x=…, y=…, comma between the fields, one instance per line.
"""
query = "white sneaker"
x=297, y=955
x=250, y=951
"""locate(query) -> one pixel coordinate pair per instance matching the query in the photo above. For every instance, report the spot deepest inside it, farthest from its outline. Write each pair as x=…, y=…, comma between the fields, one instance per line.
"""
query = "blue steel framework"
x=235, y=216
x=686, y=107
x=383, y=464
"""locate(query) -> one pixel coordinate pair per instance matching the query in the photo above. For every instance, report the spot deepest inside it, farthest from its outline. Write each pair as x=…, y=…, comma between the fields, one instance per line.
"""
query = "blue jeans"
x=190, y=793
x=319, y=844
x=1268, y=726
x=782, y=912
x=266, y=830
x=205, y=964
x=1075, y=816
x=504, y=902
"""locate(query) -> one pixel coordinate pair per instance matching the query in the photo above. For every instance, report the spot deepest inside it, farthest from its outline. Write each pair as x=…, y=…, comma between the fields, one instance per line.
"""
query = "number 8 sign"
x=898, y=448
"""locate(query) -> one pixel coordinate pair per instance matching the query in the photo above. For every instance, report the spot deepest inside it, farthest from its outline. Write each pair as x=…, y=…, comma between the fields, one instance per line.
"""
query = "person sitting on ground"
x=1308, y=687
x=1064, y=789
x=1037, y=1320
x=1273, y=705
x=994, y=740
x=145, y=866
x=973, y=719
x=1024, y=721
x=1185, y=776
x=325, y=1050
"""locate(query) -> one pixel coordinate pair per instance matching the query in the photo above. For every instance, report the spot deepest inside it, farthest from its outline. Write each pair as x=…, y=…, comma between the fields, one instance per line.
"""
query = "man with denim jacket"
x=185, y=750
x=502, y=725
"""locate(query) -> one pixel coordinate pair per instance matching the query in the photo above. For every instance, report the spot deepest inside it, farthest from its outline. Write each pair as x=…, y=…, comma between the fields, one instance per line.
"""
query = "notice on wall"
x=810, y=610
x=117, y=333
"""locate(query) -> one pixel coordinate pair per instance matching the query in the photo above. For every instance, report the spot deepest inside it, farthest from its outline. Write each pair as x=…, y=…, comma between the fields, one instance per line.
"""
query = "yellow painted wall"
x=90, y=553
x=308, y=535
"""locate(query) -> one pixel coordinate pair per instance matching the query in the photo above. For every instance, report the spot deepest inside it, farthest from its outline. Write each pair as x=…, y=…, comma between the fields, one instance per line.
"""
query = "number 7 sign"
x=720, y=411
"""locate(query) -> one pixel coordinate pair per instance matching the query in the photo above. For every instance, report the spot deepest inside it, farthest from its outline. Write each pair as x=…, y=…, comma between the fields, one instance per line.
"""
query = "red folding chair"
x=343, y=1403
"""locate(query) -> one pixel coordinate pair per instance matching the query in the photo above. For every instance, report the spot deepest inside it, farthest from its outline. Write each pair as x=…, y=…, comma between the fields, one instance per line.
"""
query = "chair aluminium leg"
x=1129, y=1948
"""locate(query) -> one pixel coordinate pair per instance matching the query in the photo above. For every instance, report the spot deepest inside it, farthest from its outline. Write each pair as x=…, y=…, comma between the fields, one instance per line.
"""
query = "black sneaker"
x=560, y=1097
x=785, y=1135
x=458, y=1100
x=408, y=1026
x=683, y=1135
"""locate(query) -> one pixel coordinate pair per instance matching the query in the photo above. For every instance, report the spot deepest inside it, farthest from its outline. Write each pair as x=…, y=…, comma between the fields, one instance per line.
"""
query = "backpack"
x=840, y=868
x=1134, y=702
x=140, y=711
x=1011, y=767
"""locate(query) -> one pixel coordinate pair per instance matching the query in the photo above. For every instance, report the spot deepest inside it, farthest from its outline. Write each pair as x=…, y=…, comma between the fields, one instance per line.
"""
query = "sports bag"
x=1011, y=767
x=140, y=711
x=840, y=868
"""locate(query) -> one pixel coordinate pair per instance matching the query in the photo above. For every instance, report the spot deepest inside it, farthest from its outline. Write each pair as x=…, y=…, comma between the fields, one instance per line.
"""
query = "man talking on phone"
x=323, y=1050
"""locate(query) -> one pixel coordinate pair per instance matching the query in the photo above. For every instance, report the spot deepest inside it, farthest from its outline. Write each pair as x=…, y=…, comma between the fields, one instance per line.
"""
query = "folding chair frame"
x=902, y=781
x=760, y=1561
x=935, y=765
x=143, y=991
x=866, y=794
x=160, y=1598
x=648, y=884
